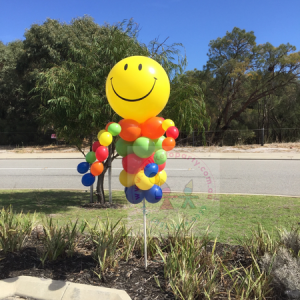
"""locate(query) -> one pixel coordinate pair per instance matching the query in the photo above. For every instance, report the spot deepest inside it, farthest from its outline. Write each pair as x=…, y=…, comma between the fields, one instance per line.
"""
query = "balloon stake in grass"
x=137, y=89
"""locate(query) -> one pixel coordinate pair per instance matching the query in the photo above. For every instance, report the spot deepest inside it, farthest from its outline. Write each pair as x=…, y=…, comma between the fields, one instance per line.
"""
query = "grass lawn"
x=230, y=216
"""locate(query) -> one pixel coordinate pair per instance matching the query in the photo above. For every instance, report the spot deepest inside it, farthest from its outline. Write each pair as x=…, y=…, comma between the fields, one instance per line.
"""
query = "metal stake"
x=145, y=234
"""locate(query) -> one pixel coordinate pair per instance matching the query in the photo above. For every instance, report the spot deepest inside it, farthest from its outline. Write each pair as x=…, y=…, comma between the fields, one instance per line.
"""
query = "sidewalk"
x=171, y=155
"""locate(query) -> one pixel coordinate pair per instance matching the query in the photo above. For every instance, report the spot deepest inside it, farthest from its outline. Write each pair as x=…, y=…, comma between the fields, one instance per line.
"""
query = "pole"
x=193, y=139
x=145, y=234
x=91, y=194
x=262, y=136
x=91, y=187
x=109, y=173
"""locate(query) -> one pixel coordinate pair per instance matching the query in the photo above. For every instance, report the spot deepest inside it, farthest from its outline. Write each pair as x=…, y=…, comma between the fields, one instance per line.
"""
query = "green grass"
x=230, y=216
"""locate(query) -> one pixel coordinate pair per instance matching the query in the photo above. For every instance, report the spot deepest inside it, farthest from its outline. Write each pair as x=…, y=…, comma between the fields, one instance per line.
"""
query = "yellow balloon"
x=142, y=181
x=100, y=132
x=126, y=179
x=167, y=123
x=105, y=138
x=160, y=178
x=137, y=88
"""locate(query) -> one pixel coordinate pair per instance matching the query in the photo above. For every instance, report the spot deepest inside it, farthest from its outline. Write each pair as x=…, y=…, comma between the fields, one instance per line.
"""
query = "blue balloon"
x=154, y=194
x=83, y=167
x=134, y=195
x=88, y=179
x=151, y=170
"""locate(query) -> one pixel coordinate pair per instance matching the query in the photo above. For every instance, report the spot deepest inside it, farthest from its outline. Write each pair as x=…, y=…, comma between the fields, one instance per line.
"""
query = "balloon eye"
x=140, y=67
x=125, y=67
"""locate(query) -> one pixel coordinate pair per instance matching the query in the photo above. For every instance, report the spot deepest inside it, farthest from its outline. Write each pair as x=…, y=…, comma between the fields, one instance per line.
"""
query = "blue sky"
x=190, y=22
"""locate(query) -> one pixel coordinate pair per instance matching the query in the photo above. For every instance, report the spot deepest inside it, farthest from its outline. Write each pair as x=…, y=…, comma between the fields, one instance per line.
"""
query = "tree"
x=186, y=106
x=73, y=89
x=239, y=73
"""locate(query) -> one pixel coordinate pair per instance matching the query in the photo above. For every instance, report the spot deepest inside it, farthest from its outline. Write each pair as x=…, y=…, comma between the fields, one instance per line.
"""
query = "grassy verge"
x=231, y=216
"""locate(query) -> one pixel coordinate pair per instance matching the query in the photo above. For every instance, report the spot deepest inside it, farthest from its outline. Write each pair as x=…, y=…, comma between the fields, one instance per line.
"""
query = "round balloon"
x=137, y=88
x=160, y=156
x=90, y=157
x=126, y=179
x=152, y=128
x=105, y=138
x=167, y=123
x=131, y=130
x=100, y=132
x=114, y=129
x=154, y=194
x=160, y=178
x=162, y=166
x=168, y=144
x=106, y=127
x=102, y=153
x=123, y=147
x=95, y=146
x=83, y=167
x=97, y=168
x=151, y=170
x=158, y=143
x=142, y=181
x=132, y=163
x=172, y=132
x=88, y=179
x=143, y=147
x=134, y=195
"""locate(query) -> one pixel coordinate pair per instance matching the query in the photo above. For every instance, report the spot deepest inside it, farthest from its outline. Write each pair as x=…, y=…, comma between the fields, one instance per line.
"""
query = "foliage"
x=59, y=241
x=186, y=106
x=239, y=73
x=14, y=229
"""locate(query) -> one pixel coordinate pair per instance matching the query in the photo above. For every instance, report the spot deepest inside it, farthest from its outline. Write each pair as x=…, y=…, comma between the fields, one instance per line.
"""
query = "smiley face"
x=137, y=88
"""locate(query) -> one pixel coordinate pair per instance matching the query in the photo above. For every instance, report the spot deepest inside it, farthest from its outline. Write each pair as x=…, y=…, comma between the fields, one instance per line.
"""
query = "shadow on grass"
x=49, y=201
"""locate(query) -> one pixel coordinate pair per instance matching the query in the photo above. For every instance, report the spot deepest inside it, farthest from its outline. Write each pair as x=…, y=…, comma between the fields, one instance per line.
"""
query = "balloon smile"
x=133, y=100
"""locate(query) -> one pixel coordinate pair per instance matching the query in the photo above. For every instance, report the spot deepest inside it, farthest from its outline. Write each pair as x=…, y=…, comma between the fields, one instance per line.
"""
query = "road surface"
x=275, y=177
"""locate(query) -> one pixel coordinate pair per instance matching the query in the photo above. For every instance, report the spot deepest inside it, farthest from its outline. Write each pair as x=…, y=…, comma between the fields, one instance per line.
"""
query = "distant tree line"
x=54, y=82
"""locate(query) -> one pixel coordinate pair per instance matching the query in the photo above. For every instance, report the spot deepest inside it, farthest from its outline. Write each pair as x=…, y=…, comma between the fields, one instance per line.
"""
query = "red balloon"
x=102, y=153
x=168, y=144
x=172, y=132
x=95, y=146
x=162, y=166
x=131, y=130
x=148, y=160
x=132, y=163
x=152, y=128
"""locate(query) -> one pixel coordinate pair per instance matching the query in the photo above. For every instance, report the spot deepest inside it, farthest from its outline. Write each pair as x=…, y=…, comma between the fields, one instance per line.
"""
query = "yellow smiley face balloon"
x=137, y=88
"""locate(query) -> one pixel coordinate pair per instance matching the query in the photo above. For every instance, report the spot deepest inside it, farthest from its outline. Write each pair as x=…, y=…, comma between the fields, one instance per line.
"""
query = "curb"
x=48, y=289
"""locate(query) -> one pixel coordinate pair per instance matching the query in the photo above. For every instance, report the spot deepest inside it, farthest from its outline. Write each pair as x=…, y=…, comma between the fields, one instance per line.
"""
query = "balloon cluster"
x=96, y=157
x=143, y=147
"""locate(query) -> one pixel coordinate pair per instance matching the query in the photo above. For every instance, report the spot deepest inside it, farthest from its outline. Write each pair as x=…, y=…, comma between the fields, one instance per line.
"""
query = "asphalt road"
x=275, y=177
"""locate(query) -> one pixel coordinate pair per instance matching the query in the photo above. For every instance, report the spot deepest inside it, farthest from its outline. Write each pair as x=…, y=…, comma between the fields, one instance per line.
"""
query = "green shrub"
x=14, y=229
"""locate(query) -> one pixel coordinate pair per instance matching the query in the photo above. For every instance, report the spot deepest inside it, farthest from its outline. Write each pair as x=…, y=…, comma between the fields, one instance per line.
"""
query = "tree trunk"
x=100, y=188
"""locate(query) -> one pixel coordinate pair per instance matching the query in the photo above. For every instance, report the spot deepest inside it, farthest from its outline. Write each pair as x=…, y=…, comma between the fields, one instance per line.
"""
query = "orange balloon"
x=152, y=128
x=131, y=130
x=106, y=127
x=97, y=168
x=168, y=144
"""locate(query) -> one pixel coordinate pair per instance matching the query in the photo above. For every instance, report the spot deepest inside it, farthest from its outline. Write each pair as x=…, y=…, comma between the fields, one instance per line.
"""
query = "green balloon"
x=90, y=157
x=114, y=129
x=123, y=147
x=160, y=156
x=143, y=147
x=158, y=143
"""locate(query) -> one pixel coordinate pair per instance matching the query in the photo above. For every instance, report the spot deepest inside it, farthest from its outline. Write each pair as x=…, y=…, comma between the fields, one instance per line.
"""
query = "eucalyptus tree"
x=239, y=73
